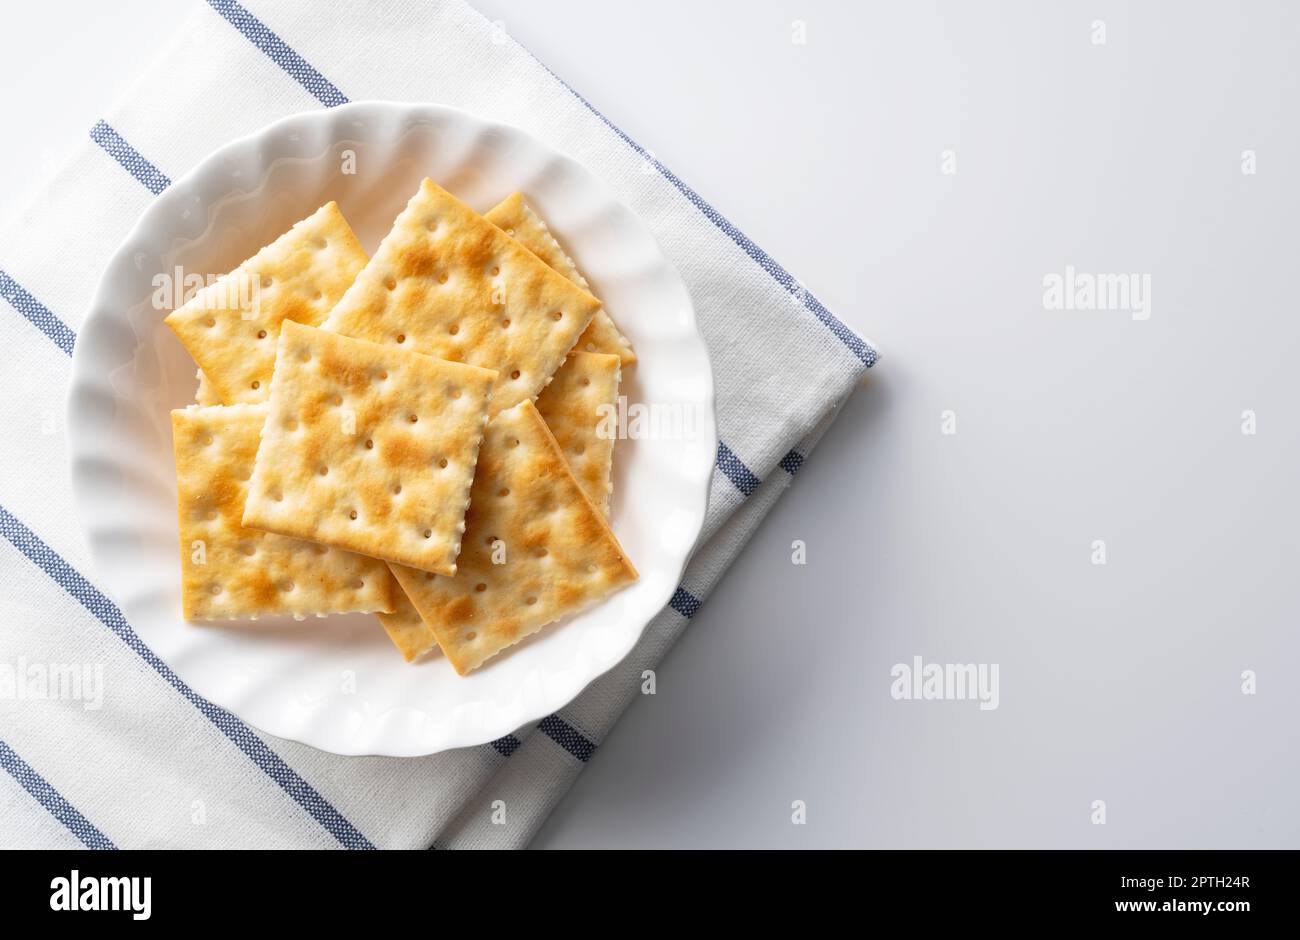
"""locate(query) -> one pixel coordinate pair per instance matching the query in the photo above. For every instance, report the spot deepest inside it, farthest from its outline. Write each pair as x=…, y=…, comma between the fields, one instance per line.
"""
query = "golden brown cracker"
x=229, y=571
x=536, y=548
x=230, y=327
x=520, y=221
x=369, y=448
x=448, y=283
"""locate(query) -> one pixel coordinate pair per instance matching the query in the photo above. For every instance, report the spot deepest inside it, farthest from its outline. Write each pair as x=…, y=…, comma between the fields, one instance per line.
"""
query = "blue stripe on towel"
x=685, y=603
x=567, y=736
x=52, y=800
x=278, y=51
x=90, y=597
x=791, y=462
x=39, y=314
x=506, y=745
x=736, y=471
x=154, y=179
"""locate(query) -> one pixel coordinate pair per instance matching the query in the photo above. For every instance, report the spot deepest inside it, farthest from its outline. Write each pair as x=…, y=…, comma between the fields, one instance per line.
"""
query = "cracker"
x=369, y=448
x=572, y=408
x=407, y=629
x=448, y=283
x=230, y=326
x=230, y=572
x=555, y=553
x=521, y=222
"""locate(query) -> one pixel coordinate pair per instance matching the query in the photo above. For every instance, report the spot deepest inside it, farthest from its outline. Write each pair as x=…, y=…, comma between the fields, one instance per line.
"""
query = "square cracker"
x=448, y=283
x=230, y=572
x=536, y=548
x=520, y=221
x=369, y=448
x=407, y=629
x=230, y=326
x=572, y=408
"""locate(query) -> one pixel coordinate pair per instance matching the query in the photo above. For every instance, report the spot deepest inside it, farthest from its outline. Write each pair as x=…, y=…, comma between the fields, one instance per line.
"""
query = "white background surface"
x=1118, y=682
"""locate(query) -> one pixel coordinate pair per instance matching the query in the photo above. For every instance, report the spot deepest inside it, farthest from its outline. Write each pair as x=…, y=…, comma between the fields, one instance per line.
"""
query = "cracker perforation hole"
x=261, y=334
x=352, y=514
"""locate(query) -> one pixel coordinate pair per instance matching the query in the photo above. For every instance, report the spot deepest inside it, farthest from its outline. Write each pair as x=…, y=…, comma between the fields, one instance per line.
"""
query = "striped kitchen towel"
x=153, y=764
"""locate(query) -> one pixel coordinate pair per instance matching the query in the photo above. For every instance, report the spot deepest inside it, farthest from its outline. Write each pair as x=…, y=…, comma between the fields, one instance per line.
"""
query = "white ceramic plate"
x=337, y=683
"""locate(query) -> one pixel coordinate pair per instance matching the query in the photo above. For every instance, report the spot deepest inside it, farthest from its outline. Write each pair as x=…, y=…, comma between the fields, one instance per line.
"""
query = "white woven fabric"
x=155, y=766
